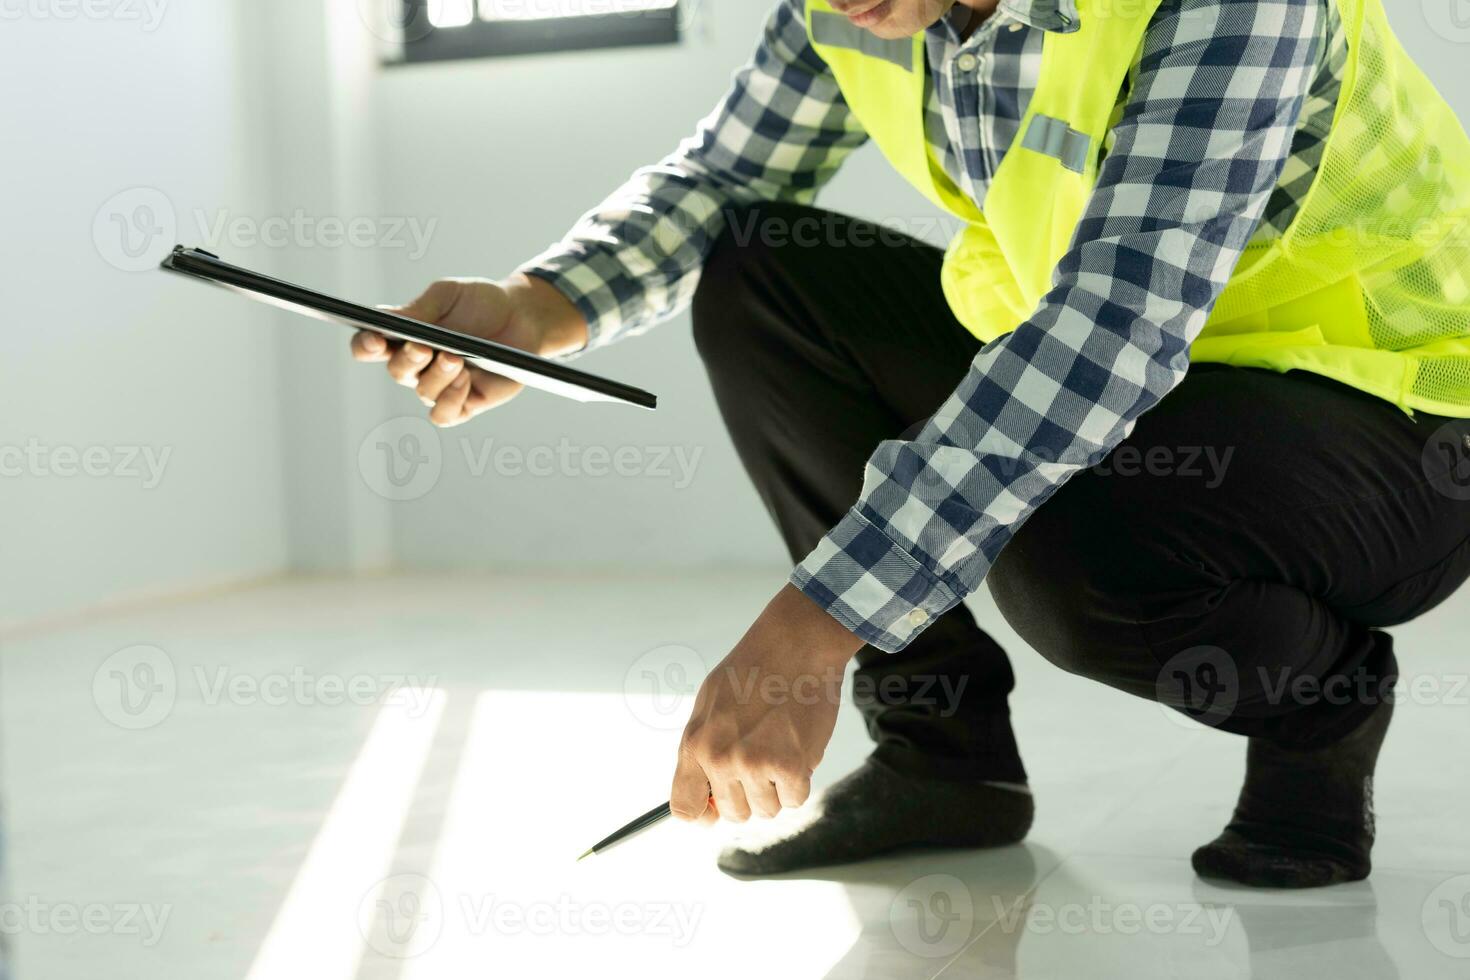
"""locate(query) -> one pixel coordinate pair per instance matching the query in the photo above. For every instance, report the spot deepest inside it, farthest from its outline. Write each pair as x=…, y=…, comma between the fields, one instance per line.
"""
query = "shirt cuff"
x=871, y=585
x=592, y=293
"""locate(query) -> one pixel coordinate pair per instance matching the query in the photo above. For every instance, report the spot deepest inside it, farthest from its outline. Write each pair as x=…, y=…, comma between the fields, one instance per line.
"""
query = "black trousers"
x=1235, y=558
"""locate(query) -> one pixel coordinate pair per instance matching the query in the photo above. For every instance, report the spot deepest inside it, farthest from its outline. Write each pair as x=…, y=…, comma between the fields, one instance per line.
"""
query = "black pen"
x=631, y=829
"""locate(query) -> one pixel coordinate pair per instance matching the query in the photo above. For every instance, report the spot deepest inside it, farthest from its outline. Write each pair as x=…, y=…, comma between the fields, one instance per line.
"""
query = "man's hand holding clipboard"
x=523, y=312
x=466, y=345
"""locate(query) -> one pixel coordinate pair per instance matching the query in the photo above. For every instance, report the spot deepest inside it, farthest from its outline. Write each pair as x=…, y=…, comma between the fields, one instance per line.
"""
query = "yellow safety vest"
x=1370, y=284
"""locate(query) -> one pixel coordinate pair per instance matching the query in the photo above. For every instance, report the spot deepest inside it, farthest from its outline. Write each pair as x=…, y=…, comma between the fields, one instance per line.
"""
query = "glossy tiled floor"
x=220, y=789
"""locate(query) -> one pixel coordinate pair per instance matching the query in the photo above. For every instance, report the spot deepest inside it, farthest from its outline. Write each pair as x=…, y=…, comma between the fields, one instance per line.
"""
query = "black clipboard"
x=529, y=369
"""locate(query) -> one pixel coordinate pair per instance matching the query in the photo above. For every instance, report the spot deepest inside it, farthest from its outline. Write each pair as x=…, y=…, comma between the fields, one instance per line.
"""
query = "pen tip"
x=586, y=854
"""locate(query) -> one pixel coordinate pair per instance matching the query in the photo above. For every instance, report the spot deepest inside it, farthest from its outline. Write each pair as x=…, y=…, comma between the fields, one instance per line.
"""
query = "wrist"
x=560, y=325
x=818, y=632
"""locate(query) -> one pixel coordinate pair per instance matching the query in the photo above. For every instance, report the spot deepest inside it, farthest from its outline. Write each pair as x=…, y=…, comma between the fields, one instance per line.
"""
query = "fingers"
x=698, y=797
x=490, y=391
x=455, y=391
x=738, y=785
x=730, y=798
x=761, y=795
x=431, y=307
x=407, y=362
x=767, y=797
x=689, y=795
x=754, y=793
x=437, y=376
x=449, y=409
x=793, y=790
x=370, y=347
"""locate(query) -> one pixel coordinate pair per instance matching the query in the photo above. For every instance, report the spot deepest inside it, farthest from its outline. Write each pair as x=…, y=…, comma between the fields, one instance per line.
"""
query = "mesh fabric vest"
x=1369, y=285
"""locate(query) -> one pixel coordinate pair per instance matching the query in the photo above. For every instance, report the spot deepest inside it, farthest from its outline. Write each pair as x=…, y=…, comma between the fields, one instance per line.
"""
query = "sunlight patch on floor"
x=317, y=932
x=505, y=895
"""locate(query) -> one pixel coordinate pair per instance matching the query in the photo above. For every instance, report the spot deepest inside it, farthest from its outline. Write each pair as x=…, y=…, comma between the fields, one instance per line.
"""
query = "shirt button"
x=967, y=62
x=918, y=618
x=1016, y=26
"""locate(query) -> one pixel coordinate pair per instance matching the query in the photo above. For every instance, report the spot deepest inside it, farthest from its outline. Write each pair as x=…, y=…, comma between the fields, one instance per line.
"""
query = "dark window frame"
x=499, y=39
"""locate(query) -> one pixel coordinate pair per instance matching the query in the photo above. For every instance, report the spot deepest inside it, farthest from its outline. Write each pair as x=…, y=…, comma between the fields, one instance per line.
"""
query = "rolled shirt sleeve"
x=780, y=134
x=1199, y=148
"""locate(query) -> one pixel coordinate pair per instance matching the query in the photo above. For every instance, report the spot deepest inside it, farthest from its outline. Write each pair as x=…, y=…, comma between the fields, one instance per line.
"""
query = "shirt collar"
x=1059, y=16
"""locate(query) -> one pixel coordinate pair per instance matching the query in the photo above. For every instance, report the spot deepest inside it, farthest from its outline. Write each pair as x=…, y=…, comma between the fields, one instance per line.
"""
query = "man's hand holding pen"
x=764, y=715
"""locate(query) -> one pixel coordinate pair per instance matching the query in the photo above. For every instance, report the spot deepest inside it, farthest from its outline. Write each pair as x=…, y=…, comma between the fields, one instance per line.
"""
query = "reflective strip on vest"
x=1054, y=138
x=837, y=31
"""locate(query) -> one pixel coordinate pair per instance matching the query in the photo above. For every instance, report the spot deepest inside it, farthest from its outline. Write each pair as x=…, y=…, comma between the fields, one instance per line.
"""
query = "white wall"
x=107, y=361
x=311, y=71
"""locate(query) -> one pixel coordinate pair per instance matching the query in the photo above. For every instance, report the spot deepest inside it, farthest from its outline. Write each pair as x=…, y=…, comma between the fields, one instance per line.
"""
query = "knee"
x=1057, y=586
x=1052, y=613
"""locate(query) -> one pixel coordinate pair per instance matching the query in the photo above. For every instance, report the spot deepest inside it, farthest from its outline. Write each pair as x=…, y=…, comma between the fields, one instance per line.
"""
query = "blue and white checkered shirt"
x=1216, y=140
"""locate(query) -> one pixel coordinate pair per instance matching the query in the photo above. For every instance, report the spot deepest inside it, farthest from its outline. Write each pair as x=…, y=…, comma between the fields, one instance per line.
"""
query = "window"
x=440, y=30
